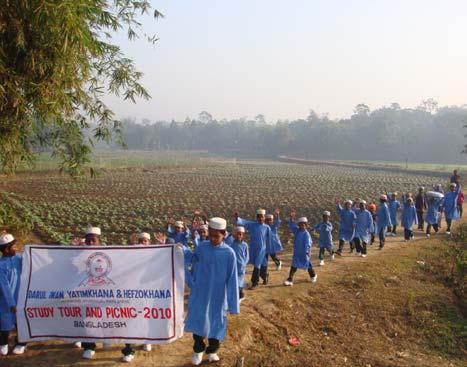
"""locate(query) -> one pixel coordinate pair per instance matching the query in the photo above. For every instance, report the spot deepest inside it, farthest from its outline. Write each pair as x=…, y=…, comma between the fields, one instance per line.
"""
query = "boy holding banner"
x=214, y=286
x=10, y=274
x=128, y=352
x=92, y=238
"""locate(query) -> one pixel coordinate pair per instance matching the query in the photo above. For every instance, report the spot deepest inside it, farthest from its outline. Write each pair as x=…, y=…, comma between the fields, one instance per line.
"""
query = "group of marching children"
x=215, y=263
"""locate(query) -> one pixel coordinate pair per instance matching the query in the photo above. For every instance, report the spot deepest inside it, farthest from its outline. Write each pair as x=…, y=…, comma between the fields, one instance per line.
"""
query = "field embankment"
x=388, y=166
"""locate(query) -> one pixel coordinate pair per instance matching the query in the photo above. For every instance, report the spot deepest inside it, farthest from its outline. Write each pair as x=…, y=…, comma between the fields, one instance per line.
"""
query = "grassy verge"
x=406, y=308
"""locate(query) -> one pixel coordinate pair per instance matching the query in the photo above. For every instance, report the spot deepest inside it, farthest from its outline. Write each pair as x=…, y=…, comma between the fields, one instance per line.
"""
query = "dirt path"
x=57, y=354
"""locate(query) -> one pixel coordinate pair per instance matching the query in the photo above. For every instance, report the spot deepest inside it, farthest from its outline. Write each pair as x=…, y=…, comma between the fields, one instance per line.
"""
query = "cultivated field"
x=130, y=199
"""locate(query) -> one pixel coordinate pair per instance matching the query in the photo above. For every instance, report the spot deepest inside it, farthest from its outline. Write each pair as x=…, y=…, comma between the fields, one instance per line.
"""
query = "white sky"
x=281, y=58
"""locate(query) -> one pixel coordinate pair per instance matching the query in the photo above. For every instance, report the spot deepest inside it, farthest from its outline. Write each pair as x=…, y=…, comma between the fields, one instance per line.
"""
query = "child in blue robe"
x=347, y=225
x=240, y=248
x=301, y=249
x=393, y=206
x=274, y=222
x=433, y=211
x=260, y=240
x=129, y=352
x=214, y=292
x=324, y=229
x=409, y=218
x=363, y=229
x=451, y=209
x=383, y=220
x=200, y=235
x=10, y=275
x=179, y=232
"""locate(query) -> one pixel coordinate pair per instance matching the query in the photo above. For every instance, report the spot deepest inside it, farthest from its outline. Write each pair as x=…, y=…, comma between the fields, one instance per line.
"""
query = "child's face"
x=348, y=205
x=260, y=218
x=216, y=237
x=144, y=241
x=302, y=226
x=92, y=240
x=268, y=220
x=238, y=235
x=179, y=229
x=326, y=218
x=203, y=233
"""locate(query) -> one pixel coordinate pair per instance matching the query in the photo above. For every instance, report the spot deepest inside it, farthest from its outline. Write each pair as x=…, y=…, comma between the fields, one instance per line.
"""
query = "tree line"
x=422, y=134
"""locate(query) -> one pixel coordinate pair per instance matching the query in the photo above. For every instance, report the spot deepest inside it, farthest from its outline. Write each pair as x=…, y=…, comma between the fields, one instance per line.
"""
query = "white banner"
x=112, y=294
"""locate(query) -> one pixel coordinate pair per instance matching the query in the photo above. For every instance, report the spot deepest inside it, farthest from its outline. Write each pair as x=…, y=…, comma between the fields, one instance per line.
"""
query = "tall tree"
x=57, y=60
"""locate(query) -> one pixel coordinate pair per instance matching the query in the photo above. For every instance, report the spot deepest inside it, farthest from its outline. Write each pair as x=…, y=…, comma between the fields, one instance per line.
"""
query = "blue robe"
x=394, y=206
x=364, y=225
x=197, y=240
x=325, y=234
x=214, y=291
x=241, y=253
x=409, y=215
x=450, y=204
x=347, y=223
x=301, y=247
x=260, y=240
x=10, y=274
x=181, y=237
x=432, y=211
x=383, y=218
x=276, y=245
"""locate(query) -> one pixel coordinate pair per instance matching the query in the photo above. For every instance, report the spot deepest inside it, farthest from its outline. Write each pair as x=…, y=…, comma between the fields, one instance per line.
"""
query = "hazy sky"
x=281, y=58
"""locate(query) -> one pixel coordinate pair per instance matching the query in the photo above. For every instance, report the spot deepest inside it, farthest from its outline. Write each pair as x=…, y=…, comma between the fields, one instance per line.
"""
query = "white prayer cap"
x=363, y=202
x=203, y=226
x=260, y=212
x=302, y=220
x=240, y=229
x=421, y=188
x=93, y=230
x=179, y=224
x=326, y=212
x=453, y=184
x=218, y=223
x=6, y=239
x=144, y=236
x=348, y=202
x=269, y=216
x=383, y=197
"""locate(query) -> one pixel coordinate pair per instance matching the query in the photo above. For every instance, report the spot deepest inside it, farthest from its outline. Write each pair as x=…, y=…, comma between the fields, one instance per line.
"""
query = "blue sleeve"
x=388, y=216
x=293, y=226
x=247, y=254
x=339, y=208
x=170, y=231
x=232, y=287
x=245, y=223
x=190, y=259
x=371, y=223
x=277, y=223
x=5, y=291
x=415, y=215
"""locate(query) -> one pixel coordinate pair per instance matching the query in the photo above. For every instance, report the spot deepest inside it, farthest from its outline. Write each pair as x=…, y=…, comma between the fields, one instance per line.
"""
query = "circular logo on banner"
x=98, y=266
